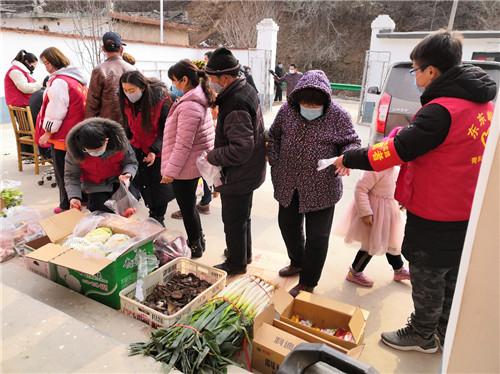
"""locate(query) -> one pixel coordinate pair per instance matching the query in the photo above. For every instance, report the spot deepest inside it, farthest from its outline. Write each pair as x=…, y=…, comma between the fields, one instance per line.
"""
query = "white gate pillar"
x=267, y=39
x=383, y=23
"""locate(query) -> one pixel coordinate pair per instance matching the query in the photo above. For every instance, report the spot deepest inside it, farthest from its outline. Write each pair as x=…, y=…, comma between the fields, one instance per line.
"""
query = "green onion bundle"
x=206, y=338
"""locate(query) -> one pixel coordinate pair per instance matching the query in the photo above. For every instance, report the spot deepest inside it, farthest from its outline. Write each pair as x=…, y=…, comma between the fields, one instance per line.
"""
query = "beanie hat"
x=222, y=62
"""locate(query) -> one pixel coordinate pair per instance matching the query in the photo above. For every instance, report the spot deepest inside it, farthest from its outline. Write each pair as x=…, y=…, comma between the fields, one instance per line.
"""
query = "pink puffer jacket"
x=189, y=130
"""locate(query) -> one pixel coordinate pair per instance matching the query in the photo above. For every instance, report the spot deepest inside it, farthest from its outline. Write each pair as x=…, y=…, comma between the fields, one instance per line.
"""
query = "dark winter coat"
x=117, y=142
x=296, y=145
x=240, y=146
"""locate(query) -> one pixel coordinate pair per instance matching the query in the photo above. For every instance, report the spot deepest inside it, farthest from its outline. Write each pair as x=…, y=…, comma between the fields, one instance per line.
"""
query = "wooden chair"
x=25, y=134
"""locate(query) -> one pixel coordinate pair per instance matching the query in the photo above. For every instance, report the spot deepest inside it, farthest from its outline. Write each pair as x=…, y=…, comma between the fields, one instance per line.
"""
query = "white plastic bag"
x=123, y=202
x=323, y=164
x=209, y=172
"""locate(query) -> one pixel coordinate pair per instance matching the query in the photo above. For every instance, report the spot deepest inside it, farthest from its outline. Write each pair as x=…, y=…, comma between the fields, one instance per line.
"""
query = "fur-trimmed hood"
x=118, y=140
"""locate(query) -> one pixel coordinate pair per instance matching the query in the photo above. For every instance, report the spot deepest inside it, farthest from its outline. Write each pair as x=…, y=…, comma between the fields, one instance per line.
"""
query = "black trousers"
x=363, y=258
x=306, y=251
x=185, y=194
x=58, y=162
x=279, y=92
x=236, y=211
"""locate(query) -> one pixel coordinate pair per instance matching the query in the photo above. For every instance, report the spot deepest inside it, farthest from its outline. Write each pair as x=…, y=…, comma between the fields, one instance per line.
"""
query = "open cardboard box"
x=325, y=313
x=101, y=279
x=274, y=339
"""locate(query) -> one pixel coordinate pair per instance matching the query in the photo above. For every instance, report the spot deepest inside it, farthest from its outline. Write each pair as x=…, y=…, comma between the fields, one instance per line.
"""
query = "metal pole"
x=452, y=14
x=161, y=21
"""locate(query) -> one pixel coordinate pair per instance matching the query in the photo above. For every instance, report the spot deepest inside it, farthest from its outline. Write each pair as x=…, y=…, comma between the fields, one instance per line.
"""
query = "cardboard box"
x=274, y=339
x=156, y=319
x=43, y=269
x=101, y=279
x=325, y=313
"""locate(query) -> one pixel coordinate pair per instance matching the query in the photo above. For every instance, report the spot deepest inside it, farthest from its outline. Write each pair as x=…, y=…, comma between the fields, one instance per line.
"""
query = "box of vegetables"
x=172, y=291
x=97, y=255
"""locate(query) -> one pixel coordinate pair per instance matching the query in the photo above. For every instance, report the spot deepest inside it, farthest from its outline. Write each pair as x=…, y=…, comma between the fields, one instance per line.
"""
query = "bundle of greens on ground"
x=204, y=340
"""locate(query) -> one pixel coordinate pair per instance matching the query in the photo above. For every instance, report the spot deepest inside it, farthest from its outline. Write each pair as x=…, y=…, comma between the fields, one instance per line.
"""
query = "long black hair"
x=153, y=91
x=23, y=56
x=185, y=68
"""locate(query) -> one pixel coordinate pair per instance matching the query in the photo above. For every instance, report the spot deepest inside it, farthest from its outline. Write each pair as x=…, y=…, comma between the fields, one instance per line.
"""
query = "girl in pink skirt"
x=374, y=219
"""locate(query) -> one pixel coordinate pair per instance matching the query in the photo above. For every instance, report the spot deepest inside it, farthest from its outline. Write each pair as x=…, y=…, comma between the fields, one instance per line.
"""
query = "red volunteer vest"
x=440, y=185
x=13, y=96
x=141, y=139
x=95, y=170
x=75, y=113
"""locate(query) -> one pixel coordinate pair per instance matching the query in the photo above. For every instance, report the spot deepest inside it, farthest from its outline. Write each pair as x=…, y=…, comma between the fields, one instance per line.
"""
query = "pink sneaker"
x=401, y=274
x=359, y=278
x=58, y=210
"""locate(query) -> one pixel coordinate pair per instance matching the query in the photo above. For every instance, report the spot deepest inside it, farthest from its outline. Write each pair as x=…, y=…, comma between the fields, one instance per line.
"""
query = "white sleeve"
x=22, y=83
x=58, y=94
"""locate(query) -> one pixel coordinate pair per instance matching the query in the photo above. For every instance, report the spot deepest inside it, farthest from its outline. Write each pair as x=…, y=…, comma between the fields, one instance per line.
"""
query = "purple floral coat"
x=296, y=144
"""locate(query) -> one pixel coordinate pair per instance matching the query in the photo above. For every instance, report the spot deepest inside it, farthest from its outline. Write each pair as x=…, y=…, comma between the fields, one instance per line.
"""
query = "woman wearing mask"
x=62, y=108
x=99, y=157
x=18, y=82
x=145, y=104
x=189, y=131
x=308, y=128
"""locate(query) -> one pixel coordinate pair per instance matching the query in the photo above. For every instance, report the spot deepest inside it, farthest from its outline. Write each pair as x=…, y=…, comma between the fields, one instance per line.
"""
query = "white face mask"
x=311, y=113
x=291, y=71
x=215, y=86
x=133, y=98
x=97, y=153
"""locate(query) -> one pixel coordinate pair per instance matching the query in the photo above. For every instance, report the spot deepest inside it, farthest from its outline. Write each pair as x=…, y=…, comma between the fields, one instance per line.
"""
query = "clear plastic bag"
x=7, y=230
x=323, y=164
x=170, y=245
x=209, y=172
x=25, y=223
x=123, y=202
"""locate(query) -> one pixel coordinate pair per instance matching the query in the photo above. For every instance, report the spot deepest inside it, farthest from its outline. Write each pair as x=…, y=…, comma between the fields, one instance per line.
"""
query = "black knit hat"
x=222, y=62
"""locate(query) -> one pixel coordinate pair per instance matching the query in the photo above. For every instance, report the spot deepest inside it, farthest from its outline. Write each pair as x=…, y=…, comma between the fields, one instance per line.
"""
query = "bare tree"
x=91, y=21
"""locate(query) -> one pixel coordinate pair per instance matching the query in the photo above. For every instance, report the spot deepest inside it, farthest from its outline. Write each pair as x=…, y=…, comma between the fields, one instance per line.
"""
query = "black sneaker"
x=407, y=339
x=229, y=269
x=249, y=259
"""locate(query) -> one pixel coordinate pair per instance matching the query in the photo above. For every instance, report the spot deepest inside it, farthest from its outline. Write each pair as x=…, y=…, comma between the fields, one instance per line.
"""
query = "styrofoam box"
x=183, y=265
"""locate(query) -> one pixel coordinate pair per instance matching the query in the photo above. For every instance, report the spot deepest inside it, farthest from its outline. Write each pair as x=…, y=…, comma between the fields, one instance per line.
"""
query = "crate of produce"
x=133, y=307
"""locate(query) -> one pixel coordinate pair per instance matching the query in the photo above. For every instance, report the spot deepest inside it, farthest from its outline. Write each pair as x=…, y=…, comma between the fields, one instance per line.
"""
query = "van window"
x=400, y=84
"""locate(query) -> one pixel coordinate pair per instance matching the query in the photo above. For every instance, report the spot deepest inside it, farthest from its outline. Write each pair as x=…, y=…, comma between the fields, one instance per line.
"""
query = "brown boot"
x=203, y=209
x=177, y=214
x=300, y=287
x=288, y=271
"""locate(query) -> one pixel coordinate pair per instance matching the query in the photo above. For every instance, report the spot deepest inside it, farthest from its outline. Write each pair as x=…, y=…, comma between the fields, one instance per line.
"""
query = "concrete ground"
x=47, y=328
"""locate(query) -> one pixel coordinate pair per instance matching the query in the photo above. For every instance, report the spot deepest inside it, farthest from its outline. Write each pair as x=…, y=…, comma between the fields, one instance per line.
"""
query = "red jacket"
x=95, y=170
x=440, y=184
x=143, y=140
x=74, y=115
x=13, y=96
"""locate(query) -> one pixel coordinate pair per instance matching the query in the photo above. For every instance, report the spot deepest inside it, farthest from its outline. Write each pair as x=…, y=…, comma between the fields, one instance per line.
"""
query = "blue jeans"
x=207, y=194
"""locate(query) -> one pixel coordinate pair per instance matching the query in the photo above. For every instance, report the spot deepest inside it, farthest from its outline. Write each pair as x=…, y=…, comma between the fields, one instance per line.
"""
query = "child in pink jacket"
x=189, y=131
x=374, y=219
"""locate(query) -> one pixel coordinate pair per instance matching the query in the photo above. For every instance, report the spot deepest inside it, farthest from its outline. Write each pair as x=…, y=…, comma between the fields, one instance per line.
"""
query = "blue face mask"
x=176, y=92
x=98, y=153
x=311, y=113
x=420, y=89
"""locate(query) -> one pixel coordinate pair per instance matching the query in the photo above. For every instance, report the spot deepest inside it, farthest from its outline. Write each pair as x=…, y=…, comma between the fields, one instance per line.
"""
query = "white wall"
x=152, y=59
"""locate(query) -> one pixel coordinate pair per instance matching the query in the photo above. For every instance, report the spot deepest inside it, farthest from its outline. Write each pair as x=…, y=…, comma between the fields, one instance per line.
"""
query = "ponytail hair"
x=22, y=56
x=195, y=76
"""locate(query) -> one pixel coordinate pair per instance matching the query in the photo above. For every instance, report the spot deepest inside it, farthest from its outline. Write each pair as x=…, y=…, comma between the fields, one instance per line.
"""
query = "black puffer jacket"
x=240, y=146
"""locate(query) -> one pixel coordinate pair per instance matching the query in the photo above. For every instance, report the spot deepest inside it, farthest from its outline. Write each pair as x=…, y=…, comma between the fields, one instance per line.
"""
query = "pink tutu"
x=386, y=233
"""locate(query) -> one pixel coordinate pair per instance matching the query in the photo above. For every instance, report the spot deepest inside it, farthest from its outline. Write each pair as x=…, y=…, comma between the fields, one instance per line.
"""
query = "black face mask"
x=31, y=68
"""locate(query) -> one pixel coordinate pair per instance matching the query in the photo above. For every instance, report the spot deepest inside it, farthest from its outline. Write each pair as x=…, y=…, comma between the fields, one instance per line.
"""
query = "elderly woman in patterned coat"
x=308, y=128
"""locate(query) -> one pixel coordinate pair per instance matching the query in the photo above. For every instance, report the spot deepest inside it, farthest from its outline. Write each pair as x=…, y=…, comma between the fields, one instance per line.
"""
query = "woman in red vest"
x=18, y=82
x=440, y=150
x=145, y=104
x=62, y=108
x=99, y=157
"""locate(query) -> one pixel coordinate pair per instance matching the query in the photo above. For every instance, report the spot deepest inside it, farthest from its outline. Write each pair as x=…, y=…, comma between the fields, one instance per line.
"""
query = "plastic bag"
x=7, y=230
x=170, y=245
x=323, y=164
x=25, y=223
x=145, y=265
x=209, y=172
x=123, y=202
